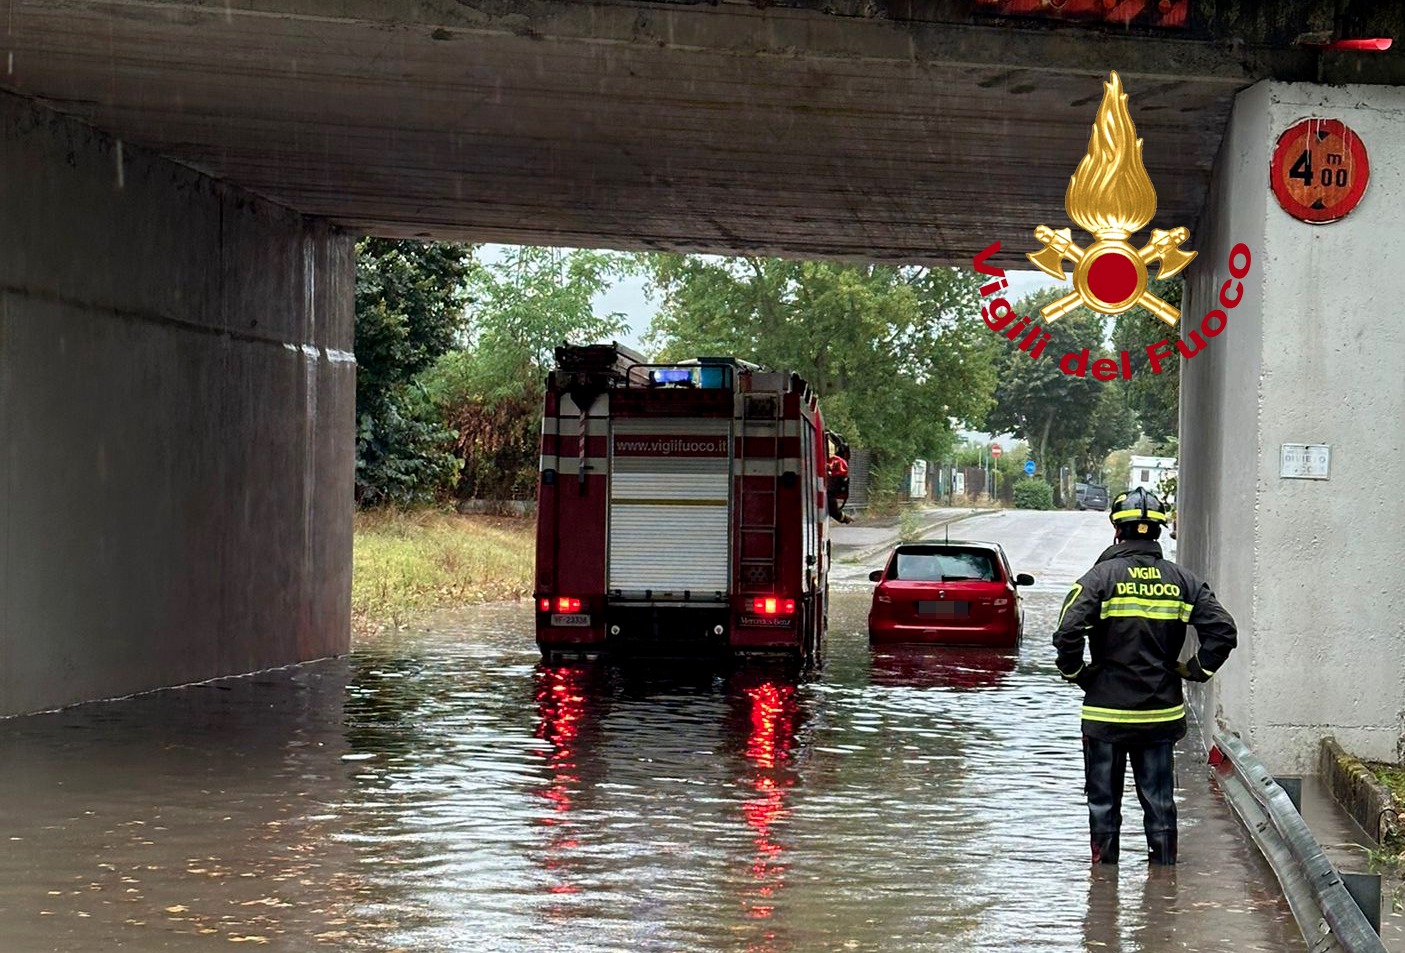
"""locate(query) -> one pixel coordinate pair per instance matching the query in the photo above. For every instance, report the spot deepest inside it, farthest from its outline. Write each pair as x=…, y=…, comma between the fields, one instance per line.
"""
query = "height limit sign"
x=1319, y=170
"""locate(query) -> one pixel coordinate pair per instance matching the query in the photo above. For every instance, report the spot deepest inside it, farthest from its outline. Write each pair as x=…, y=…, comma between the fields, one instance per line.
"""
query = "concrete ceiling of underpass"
x=731, y=127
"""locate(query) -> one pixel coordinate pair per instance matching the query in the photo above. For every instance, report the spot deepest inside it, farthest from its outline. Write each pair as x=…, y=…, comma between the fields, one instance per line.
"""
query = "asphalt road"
x=1054, y=546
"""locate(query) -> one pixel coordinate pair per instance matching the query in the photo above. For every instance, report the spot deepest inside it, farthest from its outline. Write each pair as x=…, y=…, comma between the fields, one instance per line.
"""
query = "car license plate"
x=569, y=619
x=944, y=608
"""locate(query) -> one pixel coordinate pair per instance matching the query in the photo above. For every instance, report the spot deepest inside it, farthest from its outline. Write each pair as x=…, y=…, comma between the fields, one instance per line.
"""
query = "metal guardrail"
x=1328, y=916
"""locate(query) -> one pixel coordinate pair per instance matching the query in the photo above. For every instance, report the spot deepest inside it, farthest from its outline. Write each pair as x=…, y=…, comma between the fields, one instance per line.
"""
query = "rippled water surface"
x=442, y=790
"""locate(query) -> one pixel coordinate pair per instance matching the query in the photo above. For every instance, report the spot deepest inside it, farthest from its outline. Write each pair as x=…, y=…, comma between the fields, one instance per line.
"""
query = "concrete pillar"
x=1312, y=570
x=176, y=422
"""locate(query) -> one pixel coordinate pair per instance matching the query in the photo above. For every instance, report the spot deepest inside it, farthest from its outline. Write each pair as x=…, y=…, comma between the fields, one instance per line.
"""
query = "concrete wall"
x=1312, y=570
x=176, y=436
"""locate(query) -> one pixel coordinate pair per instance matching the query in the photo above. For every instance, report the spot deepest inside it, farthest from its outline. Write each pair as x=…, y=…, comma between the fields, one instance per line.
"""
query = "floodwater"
x=441, y=790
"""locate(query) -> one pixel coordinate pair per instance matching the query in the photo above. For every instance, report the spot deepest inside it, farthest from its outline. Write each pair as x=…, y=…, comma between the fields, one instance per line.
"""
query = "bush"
x=1032, y=494
x=403, y=453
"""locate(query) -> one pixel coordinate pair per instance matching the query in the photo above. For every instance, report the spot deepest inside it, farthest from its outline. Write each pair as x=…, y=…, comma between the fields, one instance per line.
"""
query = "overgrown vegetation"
x=1393, y=777
x=452, y=352
x=910, y=526
x=409, y=562
x=409, y=310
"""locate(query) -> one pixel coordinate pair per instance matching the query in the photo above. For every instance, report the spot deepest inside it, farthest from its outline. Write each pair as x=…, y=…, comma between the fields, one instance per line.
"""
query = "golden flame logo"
x=1111, y=197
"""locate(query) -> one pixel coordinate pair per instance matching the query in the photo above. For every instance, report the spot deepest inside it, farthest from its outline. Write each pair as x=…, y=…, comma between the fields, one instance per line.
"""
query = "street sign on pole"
x=995, y=450
x=1029, y=467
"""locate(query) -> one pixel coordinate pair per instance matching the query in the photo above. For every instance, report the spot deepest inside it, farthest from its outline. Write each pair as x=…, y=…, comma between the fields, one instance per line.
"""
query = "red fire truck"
x=681, y=509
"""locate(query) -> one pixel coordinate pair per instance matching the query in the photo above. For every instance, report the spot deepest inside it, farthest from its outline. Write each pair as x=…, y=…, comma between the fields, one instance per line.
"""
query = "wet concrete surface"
x=1350, y=850
x=441, y=790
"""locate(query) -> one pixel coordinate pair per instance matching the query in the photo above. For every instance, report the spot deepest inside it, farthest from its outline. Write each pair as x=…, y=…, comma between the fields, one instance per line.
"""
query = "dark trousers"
x=1153, y=770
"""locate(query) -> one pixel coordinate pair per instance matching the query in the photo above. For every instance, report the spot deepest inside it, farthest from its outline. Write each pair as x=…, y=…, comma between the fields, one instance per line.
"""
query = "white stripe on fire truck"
x=570, y=426
x=753, y=467
x=595, y=465
x=767, y=428
x=766, y=466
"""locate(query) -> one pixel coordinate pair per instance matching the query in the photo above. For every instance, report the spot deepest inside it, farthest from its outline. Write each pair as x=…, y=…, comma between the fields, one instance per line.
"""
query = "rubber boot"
x=1103, y=765
x=1107, y=847
x=1163, y=847
x=1153, y=769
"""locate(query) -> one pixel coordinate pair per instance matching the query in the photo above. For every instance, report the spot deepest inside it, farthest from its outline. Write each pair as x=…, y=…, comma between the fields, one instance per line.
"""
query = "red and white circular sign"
x=995, y=450
x=1319, y=170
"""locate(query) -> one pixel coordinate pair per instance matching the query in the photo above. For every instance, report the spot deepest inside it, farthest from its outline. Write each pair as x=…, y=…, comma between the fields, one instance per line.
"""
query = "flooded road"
x=441, y=790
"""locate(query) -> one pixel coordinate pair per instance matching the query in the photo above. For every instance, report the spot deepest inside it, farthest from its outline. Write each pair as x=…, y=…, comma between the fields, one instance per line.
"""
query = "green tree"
x=1054, y=412
x=409, y=310
x=1114, y=427
x=490, y=391
x=1118, y=468
x=1067, y=419
x=1154, y=397
x=891, y=352
x=532, y=300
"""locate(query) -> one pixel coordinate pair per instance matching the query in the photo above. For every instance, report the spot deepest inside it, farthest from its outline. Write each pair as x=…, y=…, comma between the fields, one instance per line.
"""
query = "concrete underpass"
x=183, y=182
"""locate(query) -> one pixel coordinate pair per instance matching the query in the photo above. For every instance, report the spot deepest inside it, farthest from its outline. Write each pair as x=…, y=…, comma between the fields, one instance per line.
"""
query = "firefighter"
x=838, y=484
x=1131, y=609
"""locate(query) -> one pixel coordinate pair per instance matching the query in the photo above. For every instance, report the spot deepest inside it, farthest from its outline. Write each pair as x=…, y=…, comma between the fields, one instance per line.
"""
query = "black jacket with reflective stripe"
x=1131, y=609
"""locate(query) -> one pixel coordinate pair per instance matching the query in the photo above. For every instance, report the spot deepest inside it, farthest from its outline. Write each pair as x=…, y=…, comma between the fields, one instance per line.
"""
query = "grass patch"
x=910, y=526
x=1389, y=858
x=1392, y=777
x=406, y=563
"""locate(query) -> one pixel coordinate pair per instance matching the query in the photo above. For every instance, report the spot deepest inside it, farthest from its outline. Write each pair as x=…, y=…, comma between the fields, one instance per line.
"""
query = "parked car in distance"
x=1089, y=496
x=947, y=593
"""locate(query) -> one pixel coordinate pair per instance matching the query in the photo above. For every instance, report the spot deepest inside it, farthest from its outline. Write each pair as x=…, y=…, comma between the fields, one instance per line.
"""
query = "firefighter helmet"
x=1137, y=506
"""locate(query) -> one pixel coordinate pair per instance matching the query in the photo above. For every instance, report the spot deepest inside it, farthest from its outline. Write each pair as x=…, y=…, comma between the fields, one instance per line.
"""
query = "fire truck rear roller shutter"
x=669, y=546
x=670, y=516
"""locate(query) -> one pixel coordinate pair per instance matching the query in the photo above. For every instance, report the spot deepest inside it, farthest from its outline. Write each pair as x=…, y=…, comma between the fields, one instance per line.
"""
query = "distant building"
x=1148, y=472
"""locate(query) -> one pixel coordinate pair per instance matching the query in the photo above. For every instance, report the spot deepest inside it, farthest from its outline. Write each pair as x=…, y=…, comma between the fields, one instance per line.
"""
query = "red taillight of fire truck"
x=683, y=507
x=770, y=605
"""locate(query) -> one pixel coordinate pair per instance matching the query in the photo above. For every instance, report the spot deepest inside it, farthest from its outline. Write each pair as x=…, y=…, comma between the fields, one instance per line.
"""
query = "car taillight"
x=880, y=596
x=567, y=604
x=544, y=604
x=1002, y=602
x=771, y=605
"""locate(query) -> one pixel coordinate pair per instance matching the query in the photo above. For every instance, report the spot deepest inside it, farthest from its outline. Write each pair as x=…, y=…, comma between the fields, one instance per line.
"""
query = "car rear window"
x=945, y=565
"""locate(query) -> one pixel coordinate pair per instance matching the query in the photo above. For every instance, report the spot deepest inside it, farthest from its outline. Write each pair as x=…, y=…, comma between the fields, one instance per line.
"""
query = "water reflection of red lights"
x=768, y=744
x=560, y=700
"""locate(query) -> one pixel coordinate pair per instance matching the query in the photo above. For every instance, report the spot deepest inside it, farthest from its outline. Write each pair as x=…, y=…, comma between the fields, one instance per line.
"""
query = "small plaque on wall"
x=1305, y=461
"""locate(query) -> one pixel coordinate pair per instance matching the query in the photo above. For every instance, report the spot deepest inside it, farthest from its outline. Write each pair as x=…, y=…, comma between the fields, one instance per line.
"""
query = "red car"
x=949, y=593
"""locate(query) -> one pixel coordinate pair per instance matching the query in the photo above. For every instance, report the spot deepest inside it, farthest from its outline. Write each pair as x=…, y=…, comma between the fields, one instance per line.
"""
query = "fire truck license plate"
x=573, y=618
